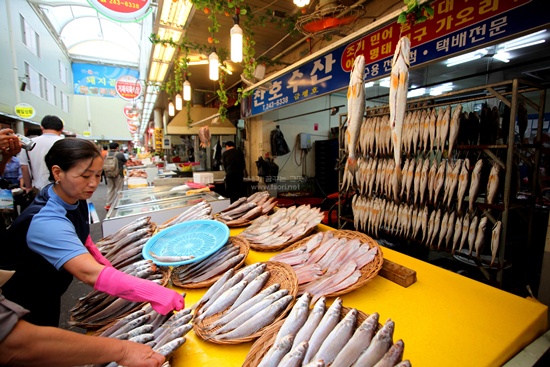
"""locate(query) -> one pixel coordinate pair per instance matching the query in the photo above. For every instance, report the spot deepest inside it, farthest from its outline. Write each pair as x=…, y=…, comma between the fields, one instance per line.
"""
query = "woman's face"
x=79, y=182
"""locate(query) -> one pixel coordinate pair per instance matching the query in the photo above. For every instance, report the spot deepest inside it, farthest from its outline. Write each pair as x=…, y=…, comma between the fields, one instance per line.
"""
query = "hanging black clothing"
x=233, y=164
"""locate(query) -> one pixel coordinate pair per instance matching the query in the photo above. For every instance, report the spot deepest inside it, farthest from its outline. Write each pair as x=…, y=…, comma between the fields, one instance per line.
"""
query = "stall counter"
x=444, y=319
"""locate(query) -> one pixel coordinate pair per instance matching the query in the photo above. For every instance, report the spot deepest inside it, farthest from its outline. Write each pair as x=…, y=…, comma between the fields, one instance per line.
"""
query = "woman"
x=50, y=242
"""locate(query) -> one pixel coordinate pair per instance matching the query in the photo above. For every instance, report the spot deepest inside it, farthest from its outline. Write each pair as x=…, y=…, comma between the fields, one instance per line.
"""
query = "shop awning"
x=178, y=125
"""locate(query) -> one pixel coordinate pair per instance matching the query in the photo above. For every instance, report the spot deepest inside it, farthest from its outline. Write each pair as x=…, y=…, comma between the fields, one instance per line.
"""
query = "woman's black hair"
x=68, y=152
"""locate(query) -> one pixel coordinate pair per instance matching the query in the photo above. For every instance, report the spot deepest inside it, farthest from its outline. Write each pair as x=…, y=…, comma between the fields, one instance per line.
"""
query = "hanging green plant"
x=415, y=13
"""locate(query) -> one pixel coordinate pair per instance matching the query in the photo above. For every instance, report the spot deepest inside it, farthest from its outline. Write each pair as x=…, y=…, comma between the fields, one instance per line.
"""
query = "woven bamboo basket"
x=114, y=316
x=279, y=273
x=264, y=343
x=368, y=271
x=244, y=248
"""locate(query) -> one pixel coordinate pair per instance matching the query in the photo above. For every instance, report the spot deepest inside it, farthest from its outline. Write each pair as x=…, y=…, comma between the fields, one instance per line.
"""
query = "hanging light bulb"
x=301, y=3
x=179, y=102
x=236, y=41
x=214, y=63
x=186, y=91
x=171, y=109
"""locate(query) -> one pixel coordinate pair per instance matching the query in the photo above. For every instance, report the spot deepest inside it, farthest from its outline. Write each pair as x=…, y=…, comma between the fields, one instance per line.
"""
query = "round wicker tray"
x=279, y=273
x=244, y=248
x=262, y=345
x=165, y=271
x=368, y=271
x=264, y=248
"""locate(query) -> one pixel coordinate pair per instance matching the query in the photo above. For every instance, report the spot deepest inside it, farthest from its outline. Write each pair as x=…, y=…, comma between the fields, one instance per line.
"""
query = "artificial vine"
x=415, y=13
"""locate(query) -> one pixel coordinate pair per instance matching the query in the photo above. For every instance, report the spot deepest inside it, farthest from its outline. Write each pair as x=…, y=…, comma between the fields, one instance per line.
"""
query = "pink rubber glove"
x=117, y=283
x=94, y=251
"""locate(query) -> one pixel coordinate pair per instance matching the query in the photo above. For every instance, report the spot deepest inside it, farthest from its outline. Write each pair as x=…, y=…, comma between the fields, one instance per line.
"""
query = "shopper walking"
x=115, y=184
x=233, y=164
x=50, y=243
x=33, y=167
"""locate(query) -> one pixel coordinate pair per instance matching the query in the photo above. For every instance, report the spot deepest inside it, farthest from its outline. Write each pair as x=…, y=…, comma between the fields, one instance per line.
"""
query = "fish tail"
x=397, y=176
x=352, y=164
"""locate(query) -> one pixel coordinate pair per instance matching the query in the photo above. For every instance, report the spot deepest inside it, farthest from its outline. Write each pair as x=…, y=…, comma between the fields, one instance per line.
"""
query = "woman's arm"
x=31, y=345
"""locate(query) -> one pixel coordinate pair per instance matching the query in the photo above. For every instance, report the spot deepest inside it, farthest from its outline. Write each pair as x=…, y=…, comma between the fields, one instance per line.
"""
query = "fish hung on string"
x=279, y=146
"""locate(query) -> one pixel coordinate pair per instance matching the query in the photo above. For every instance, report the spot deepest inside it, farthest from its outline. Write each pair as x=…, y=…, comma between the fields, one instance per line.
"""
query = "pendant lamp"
x=236, y=34
x=186, y=91
x=213, y=63
x=179, y=102
x=171, y=109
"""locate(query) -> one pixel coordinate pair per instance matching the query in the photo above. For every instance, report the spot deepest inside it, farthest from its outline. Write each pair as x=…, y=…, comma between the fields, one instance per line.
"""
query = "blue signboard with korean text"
x=99, y=80
x=456, y=26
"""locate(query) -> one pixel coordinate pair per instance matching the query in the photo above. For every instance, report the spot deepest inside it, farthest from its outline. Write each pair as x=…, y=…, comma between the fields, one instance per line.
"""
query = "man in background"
x=115, y=184
x=33, y=167
x=233, y=164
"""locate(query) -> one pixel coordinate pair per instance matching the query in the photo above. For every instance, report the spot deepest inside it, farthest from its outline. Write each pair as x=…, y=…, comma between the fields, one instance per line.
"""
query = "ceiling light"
x=301, y=3
x=175, y=13
x=478, y=54
x=502, y=56
x=522, y=45
x=236, y=41
x=416, y=92
x=179, y=102
x=171, y=109
x=385, y=82
x=213, y=62
x=525, y=41
x=440, y=89
x=186, y=91
x=369, y=84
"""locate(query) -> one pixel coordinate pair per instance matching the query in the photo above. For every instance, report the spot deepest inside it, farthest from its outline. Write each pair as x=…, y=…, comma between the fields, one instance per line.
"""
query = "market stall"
x=443, y=318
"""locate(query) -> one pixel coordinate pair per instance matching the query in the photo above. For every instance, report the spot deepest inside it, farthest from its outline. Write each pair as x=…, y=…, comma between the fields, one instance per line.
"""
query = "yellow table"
x=445, y=319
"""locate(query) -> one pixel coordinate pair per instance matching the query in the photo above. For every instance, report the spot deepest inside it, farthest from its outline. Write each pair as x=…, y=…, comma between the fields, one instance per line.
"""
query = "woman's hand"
x=9, y=143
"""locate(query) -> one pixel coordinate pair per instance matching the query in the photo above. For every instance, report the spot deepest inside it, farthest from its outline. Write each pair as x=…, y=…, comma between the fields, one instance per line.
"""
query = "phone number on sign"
x=126, y=4
x=277, y=103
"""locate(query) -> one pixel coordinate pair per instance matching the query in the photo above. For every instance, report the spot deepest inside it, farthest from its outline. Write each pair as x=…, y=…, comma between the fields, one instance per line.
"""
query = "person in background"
x=104, y=151
x=9, y=147
x=12, y=172
x=25, y=344
x=33, y=167
x=50, y=243
x=233, y=164
x=115, y=184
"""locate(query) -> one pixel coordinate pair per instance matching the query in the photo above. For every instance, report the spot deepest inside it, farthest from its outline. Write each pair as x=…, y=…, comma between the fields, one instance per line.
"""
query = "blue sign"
x=99, y=80
x=434, y=39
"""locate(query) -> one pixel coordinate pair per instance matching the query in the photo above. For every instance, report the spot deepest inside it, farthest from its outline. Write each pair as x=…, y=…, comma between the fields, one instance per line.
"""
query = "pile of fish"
x=336, y=337
x=326, y=263
x=164, y=333
x=98, y=309
x=245, y=209
x=229, y=256
x=241, y=303
x=284, y=227
x=201, y=210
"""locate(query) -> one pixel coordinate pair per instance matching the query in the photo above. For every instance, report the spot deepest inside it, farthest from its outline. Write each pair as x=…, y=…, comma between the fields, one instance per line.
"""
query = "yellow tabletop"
x=445, y=319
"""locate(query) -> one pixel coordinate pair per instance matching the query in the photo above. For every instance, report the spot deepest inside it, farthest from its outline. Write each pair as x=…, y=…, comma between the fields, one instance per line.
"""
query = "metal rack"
x=510, y=93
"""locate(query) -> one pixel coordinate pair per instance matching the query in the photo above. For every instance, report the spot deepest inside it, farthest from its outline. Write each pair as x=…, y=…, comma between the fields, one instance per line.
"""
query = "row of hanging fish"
x=245, y=209
x=199, y=211
x=425, y=179
x=326, y=263
x=436, y=229
x=239, y=304
x=333, y=336
x=228, y=256
x=98, y=309
x=164, y=333
x=284, y=226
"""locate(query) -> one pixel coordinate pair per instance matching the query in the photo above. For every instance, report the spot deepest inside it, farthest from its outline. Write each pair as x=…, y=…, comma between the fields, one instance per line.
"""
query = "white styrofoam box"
x=203, y=177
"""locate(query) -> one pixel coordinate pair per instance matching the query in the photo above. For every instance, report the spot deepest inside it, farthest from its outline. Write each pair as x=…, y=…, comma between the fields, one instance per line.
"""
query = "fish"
x=472, y=234
x=493, y=184
x=423, y=179
x=327, y=324
x=437, y=222
x=444, y=127
x=358, y=342
x=337, y=338
x=223, y=301
x=356, y=109
x=474, y=184
x=313, y=320
x=432, y=127
x=399, y=84
x=378, y=347
x=465, y=231
x=430, y=226
x=480, y=236
x=278, y=350
x=443, y=230
x=453, y=128
x=171, y=259
x=393, y=355
x=439, y=179
x=462, y=184
x=450, y=228
x=297, y=317
x=424, y=221
x=170, y=347
x=453, y=178
x=495, y=241
x=295, y=357
x=204, y=136
x=457, y=234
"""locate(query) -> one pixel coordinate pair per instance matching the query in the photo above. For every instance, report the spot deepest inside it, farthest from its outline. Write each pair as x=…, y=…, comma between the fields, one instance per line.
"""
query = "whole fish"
x=378, y=347
x=453, y=128
x=493, y=183
x=439, y=179
x=495, y=240
x=313, y=320
x=327, y=324
x=295, y=357
x=472, y=234
x=278, y=350
x=296, y=319
x=453, y=176
x=337, y=338
x=358, y=343
x=444, y=128
x=356, y=109
x=465, y=231
x=170, y=259
x=399, y=84
x=474, y=184
x=450, y=229
x=393, y=355
x=443, y=231
x=170, y=347
x=424, y=222
x=432, y=127
x=457, y=234
x=480, y=236
x=423, y=179
x=223, y=301
x=462, y=184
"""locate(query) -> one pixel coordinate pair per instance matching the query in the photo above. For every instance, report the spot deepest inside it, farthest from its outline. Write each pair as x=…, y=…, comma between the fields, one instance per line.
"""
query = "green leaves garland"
x=415, y=13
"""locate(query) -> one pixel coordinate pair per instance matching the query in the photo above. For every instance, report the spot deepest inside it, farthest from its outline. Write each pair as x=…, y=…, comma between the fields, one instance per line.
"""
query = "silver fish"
x=393, y=355
x=378, y=347
x=313, y=320
x=296, y=318
x=327, y=324
x=358, y=343
x=278, y=350
x=337, y=338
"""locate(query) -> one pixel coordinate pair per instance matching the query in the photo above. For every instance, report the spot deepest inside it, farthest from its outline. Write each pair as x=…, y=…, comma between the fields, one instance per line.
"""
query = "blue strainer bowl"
x=198, y=238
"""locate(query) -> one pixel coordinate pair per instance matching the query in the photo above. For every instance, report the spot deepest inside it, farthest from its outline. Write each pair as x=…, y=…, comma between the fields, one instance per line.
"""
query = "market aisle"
x=78, y=289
